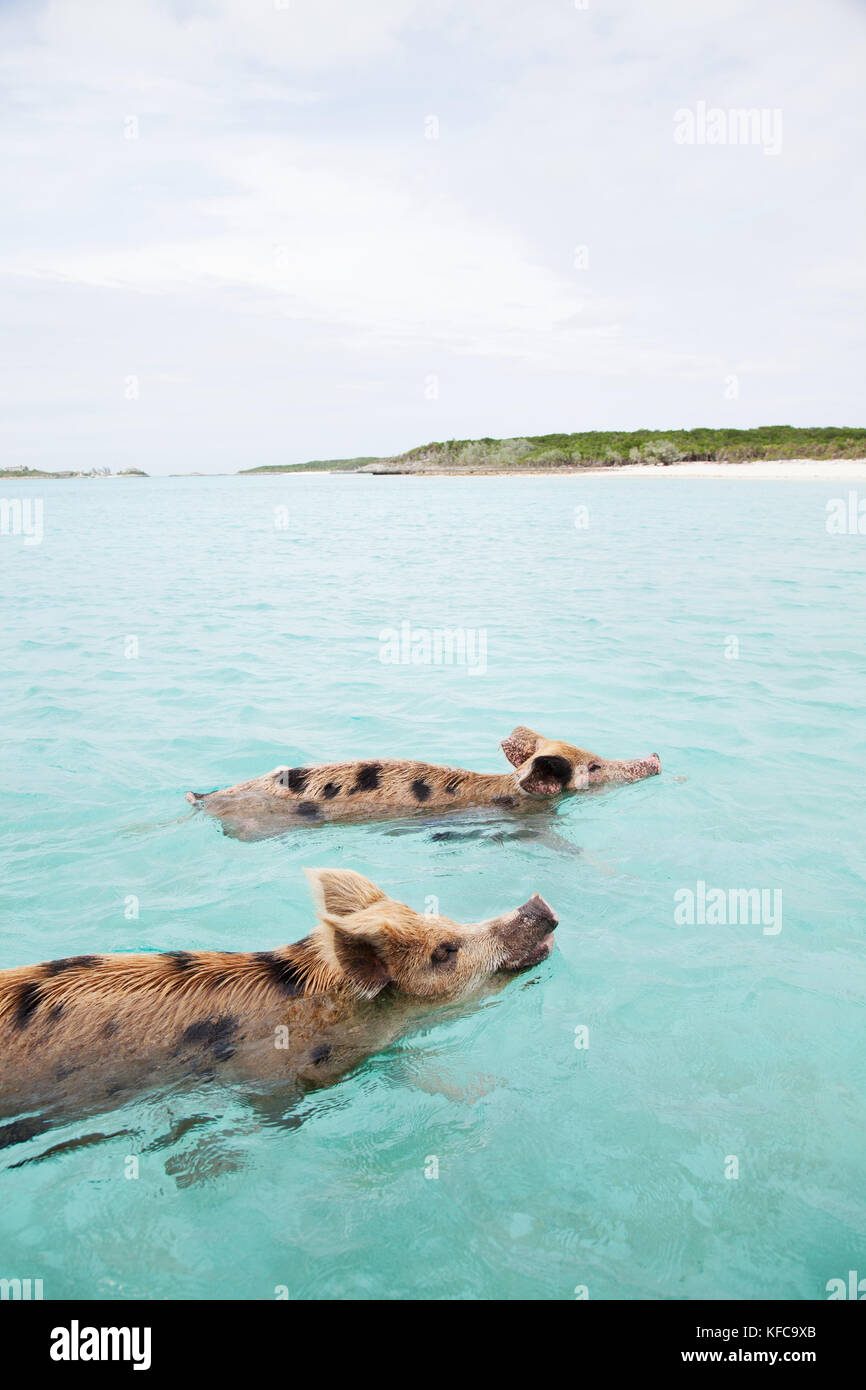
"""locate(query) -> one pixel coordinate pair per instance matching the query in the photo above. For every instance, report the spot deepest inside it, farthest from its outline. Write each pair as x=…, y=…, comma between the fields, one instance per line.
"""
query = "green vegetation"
x=68, y=473
x=611, y=448
x=601, y=449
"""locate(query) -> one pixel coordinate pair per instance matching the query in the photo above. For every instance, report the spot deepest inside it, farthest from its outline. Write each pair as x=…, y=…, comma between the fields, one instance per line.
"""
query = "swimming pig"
x=544, y=769
x=88, y=1030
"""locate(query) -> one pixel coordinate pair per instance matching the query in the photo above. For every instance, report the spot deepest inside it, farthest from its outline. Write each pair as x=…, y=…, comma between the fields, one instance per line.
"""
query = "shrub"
x=554, y=458
x=663, y=451
x=655, y=451
x=475, y=454
x=512, y=451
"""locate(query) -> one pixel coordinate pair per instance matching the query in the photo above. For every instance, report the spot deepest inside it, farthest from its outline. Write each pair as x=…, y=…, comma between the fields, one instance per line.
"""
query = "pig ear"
x=360, y=959
x=520, y=745
x=340, y=892
x=338, y=895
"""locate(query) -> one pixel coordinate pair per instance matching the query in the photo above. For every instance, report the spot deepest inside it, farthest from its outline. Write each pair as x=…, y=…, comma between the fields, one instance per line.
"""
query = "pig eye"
x=444, y=953
x=595, y=767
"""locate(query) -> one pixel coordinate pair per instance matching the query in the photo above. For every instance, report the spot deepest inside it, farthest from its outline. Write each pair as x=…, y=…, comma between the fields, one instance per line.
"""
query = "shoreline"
x=761, y=470
x=758, y=470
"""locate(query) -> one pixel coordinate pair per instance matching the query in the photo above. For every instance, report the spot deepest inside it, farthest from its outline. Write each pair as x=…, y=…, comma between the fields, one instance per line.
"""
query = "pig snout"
x=633, y=770
x=537, y=911
x=528, y=934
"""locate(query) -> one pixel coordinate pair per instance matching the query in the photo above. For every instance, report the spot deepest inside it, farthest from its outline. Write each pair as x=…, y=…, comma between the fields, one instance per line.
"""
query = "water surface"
x=170, y=634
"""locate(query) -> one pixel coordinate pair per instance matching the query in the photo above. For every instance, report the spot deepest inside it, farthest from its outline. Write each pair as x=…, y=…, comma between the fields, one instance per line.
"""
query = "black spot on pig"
x=281, y=972
x=27, y=1000
x=367, y=779
x=178, y=961
x=216, y=1035
x=420, y=789
x=57, y=967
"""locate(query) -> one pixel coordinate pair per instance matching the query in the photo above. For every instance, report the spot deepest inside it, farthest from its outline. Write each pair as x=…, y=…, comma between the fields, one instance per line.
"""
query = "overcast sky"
x=264, y=231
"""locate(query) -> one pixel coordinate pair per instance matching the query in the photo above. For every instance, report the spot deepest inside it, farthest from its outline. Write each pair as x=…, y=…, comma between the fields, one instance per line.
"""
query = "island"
x=23, y=472
x=595, y=450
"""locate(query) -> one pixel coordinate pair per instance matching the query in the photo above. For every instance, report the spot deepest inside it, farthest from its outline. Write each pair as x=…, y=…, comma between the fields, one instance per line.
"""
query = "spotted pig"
x=544, y=769
x=91, y=1029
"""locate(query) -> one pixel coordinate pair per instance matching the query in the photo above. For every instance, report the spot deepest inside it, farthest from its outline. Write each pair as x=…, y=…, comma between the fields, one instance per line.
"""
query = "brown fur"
x=378, y=789
x=91, y=1027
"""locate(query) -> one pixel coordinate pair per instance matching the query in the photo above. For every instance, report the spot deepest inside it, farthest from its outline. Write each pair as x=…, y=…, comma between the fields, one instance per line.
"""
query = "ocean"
x=671, y=1106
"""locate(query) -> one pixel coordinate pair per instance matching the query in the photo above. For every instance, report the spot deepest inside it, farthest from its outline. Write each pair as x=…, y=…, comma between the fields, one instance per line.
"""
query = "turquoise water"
x=559, y=1166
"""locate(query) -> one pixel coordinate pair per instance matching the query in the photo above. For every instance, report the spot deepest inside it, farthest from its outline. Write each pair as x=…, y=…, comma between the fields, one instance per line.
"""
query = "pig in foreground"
x=289, y=796
x=88, y=1031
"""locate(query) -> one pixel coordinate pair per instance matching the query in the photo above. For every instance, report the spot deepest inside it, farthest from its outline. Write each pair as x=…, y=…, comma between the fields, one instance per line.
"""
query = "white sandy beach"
x=758, y=470
x=798, y=470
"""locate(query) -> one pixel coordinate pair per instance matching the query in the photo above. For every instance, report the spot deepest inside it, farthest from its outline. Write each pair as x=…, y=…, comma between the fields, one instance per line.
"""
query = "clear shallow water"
x=558, y=1166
